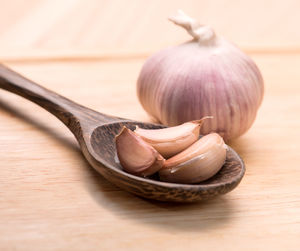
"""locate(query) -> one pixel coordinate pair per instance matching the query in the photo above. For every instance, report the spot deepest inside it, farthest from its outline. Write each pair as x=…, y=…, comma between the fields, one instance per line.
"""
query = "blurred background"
x=97, y=28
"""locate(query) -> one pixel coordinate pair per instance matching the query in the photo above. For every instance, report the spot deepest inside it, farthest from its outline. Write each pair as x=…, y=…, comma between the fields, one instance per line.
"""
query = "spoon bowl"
x=95, y=133
x=103, y=157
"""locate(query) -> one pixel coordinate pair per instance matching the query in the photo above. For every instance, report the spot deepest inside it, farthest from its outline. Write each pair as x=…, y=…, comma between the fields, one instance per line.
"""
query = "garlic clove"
x=136, y=156
x=172, y=140
x=199, y=162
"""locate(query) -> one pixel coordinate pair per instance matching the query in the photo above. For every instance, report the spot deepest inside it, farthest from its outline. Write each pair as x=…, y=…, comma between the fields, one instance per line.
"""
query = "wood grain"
x=50, y=199
x=87, y=28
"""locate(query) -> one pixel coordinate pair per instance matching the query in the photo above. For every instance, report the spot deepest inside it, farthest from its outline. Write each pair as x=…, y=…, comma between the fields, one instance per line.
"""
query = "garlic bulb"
x=207, y=76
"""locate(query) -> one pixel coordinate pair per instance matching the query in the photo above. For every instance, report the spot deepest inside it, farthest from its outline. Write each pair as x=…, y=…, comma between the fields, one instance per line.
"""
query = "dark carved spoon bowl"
x=95, y=134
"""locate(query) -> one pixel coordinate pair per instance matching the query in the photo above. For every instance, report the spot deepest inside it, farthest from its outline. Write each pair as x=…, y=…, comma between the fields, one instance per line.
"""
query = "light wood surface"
x=92, y=51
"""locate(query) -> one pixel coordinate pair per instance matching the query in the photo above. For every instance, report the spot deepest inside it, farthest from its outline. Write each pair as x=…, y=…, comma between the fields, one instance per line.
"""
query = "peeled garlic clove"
x=172, y=140
x=136, y=156
x=199, y=162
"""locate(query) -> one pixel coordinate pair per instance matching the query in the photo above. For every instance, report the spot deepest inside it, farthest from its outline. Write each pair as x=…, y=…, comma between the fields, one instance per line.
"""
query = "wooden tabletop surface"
x=91, y=51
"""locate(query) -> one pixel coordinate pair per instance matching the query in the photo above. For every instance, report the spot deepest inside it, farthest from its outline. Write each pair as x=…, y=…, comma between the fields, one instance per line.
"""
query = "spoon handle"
x=69, y=112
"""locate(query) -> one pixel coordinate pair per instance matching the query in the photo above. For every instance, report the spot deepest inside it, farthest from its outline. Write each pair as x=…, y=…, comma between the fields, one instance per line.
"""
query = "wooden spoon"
x=95, y=134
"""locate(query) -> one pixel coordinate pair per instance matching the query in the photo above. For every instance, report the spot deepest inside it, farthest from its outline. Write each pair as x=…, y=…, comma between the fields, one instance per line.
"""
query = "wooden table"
x=92, y=51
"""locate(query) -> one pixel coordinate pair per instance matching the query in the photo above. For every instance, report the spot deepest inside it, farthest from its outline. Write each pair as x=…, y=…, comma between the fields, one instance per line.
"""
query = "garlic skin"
x=135, y=155
x=199, y=162
x=172, y=140
x=205, y=76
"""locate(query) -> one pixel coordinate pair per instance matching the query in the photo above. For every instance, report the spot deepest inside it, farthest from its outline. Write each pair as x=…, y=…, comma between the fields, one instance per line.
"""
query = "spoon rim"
x=197, y=186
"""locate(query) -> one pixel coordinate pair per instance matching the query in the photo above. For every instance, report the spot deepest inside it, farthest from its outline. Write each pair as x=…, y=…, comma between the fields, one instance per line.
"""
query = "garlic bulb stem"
x=204, y=34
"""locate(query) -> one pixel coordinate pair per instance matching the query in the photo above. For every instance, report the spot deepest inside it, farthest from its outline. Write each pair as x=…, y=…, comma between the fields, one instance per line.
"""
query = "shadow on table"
x=192, y=217
x=169, y=216
x=172, y=217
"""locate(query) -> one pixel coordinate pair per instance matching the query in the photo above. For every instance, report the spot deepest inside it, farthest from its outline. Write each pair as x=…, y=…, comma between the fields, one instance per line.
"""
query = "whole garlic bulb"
x=207, y=76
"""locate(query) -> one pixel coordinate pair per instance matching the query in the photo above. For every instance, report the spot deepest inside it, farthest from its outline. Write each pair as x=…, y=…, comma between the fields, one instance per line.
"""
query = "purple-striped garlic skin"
x=190, y=81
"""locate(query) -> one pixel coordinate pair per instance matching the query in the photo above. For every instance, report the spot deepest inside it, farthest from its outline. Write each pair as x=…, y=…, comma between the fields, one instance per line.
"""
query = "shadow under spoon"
x=95, y=134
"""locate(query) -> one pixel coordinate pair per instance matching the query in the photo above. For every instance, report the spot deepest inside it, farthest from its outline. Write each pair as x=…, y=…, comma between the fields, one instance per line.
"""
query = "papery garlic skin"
x=199, y=162
x=197, y=79
x=135, y=155
x=172, y=140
